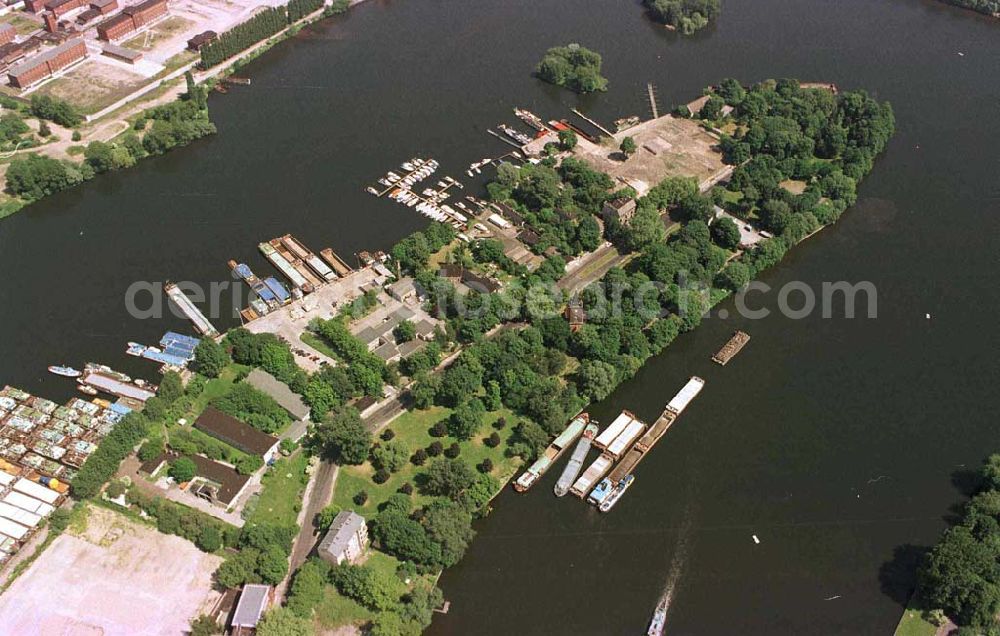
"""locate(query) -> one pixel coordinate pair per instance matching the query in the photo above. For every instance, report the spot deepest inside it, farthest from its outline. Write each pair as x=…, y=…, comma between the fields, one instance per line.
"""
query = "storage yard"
x=110, y=579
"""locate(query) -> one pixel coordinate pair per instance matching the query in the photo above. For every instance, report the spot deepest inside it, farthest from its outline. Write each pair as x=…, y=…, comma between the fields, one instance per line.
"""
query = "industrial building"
x=60, y=8
x=47, y=63
x=346, y=540
x=7, y=33
x=131, y=19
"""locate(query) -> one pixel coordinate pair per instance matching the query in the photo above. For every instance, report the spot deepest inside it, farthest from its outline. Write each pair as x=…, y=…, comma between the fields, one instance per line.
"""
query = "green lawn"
x=913, y=622
x=412, y=429
x=281, y=497
x=216, y=387
x=318, y=344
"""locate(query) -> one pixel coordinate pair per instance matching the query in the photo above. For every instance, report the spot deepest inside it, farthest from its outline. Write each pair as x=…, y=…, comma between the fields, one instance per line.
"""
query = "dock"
x=201, y=323
x=114, y=386
x=645, y=444
x=593, y=123
x=731, y=348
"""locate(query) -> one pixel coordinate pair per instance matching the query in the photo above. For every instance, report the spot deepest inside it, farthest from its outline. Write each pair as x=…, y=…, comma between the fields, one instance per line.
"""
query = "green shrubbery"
x=574, y=67
x=103, y=462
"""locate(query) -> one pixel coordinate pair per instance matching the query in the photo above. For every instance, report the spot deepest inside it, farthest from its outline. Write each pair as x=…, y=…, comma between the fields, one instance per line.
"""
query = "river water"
x=835, y=441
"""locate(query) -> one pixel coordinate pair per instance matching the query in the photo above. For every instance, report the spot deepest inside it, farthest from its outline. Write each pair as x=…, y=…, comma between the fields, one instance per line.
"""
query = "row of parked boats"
x=626, y=441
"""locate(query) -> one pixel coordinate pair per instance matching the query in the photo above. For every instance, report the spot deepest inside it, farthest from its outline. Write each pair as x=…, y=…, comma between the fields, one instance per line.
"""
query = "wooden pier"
x=731, y=348
x=650, y=91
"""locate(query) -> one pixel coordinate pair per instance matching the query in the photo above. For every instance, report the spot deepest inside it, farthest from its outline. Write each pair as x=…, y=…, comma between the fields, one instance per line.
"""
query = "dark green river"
x=835, y=441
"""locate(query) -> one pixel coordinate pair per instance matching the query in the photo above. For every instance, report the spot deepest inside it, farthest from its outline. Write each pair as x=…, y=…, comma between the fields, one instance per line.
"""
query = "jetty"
x=731, y=348
x=645, y=444
x=593, y=123
x=502, y=138
x=188, y=308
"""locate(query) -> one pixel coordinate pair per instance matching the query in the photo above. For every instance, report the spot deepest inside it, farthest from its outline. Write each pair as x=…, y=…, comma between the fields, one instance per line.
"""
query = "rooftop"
x=253, y=602
x=345, y=525
x=218, y=424
x=45, y=56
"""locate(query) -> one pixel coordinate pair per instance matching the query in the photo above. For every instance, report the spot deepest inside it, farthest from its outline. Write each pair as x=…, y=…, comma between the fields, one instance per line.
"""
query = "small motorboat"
x=86, y=388
x=66, y=372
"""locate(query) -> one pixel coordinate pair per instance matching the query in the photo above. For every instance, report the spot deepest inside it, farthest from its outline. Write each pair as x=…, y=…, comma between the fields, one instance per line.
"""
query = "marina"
x=552, y=453
x=731, y=348
x=575, y=463
x=188, y=308
x=174, y=353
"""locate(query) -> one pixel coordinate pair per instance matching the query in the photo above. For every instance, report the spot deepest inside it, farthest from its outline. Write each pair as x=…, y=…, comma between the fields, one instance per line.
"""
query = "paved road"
x=319, y=498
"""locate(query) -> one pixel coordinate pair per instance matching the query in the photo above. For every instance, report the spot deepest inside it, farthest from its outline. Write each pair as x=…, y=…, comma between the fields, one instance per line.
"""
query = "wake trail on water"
x=679, y=560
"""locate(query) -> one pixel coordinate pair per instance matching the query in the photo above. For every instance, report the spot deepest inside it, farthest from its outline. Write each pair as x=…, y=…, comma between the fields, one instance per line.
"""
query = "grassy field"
x=412, y=429
x=92, y=86
x=317, y=343
x=21, y=24
x=281, y=498
x=913, y=622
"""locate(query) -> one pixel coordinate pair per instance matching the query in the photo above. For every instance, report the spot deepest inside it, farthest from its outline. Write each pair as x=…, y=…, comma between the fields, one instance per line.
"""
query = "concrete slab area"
x=118, y=578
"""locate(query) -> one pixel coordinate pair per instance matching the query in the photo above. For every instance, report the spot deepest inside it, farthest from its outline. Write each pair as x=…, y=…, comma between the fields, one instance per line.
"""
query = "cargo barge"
x=575, y=464
x=107, y=383
x=304, y=254
x=594, y=472
x=670, y=414
x=614, y=441
x=552, y=453
x=337, y=263
x=731, y=348
x=188, y=308
x=297, y=280
x=616, y=428
x=295, y=262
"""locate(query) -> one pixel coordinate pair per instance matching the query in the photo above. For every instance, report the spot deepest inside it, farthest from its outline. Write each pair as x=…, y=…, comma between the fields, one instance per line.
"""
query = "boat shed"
x=235, y=433
x=250, y=609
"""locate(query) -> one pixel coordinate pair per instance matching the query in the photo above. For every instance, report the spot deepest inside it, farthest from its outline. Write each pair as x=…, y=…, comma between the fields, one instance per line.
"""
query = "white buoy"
x=756, y=540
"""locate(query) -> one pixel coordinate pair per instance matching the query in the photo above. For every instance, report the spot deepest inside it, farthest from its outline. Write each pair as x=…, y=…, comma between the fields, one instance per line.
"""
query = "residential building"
x=237, y=434
x=250, y=609
x=346, y=540
x=131, y=19
x=7, y=33
x=405, y=289
x=621, y=210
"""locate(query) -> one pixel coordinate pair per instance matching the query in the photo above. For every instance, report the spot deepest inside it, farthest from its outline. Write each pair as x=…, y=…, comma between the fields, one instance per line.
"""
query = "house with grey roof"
x=250, y=609
x=346, y=540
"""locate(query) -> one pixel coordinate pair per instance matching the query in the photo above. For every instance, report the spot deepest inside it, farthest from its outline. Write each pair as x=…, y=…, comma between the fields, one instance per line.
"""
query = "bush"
x=435, y=449
x=486, y=465
x=500, y=424
x=406, y=488
x=103, y=462
x=419, y=457
x=150, y=449
x=493, y=440
x=360, y=498
x=77, y=136
x=387, y=434
x=453, y=451
x=55, y=110
x=183, y=470
x=381, y=476
x=440, y=429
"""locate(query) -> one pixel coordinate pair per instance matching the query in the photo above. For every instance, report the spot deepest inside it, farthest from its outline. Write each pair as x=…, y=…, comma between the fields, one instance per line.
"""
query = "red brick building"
x=35, y=6
x=45, y=64
x=62, y=7
x=131, y=19
x=7, y=33
x=104, y=6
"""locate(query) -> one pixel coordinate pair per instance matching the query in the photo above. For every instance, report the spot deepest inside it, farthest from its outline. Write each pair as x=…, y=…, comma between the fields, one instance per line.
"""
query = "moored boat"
x=575, y=464
x=552, y=453
x=66, y=372
x=617, y=493
x=602, y=492
x=659, y=619
x=86, y=388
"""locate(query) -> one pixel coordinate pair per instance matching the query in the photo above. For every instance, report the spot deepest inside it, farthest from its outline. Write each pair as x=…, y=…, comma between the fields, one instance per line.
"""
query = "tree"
x=391, y=455
x=467, y=419
x=574, y=67
x=450, y=526
x=725, y=233
x=55, y=110
x=345, y=437
x=372, y=588
x=493, y=440
x=103, y=157
x=485, y=466
x=449, y=477
x=209, y=539
x=733, y=277
x=210, y=358
x=597, y=379
x=528, y=440
x=36, y=176
x=306, y=591
x=238, y=569
x=588, y=234
x=567, y=139
x=645, y=229
x=281, y=621
x=360, y=497
x=183, y=470
x=205, y=625
x=171, y=387
x=326, y=516
x=628, y=146
x=419, y=457
x=405, y=331
x=453, y=451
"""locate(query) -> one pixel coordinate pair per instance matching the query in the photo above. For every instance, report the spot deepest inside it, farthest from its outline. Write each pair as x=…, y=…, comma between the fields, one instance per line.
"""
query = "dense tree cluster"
x=262, y=557
x=412, y=252
x=36, y=176
x=574, y=67
x=242, y=36
x=343, y=437
x=687, y=16
x=961, y=574
x=366, y=371
x=55, y=110
x=298, y=9
x=104, y=461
